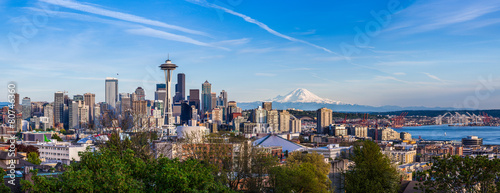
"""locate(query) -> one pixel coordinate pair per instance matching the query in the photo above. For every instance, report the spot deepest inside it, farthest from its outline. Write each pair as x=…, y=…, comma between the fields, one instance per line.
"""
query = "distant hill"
x=434, y=113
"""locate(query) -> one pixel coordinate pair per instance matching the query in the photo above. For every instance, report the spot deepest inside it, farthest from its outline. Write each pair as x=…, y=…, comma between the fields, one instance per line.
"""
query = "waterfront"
x=490, y=135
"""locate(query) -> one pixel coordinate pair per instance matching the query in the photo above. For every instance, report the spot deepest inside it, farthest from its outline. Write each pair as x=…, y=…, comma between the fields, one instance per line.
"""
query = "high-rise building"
x=66, y=112
x=161, y=86
x=267, y=105
x=17, y=107
x=90, y=101
x=232, y=108
x=122, y=95
x=141, y=95
x=48, y=111
x=160, y=95
x=213, y=101
x=324, y=119
x=222, y=100
x=77, y=97
x=194, y=98
x=159, y=104
x=139, y=107
x=83, y=115
x=186, y=113
x=97, y=116
x=180, y=88
x=125, y=103
x=216, y=116
x=73, y=115
x=295, y=125
x=259, y=115
x=58, y=107
x=273, y=120
x=26, y=108
x=206, y=96
x=111, y=92
x=284, y=119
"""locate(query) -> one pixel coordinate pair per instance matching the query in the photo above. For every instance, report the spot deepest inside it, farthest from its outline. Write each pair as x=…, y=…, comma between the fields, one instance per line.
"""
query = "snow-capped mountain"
x=303, y=99
x=301, y=95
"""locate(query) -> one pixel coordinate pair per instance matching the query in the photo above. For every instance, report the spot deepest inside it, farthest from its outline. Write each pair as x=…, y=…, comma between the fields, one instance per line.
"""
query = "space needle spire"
x=167, y=67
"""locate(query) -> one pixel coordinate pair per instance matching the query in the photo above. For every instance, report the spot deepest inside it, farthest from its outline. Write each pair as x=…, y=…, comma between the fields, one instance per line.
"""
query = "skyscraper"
x=180, y=88
x=77, y=97
x=213, y=101
x=273, y=120
x=295, y=125
x=161, y=86
x=222, y=101
x=324, y=119
x=194, y=98
x=17, y=107
x=160, y=95
x=58, y=107
x=259, y=115
x=90, y=101
x=206, y=96
x=125, y=102
x=284, y=121
x=267, y=105
x=48, y=111
x=26, y=108
x=111, y=92
x=73, y=114
x=141, y=95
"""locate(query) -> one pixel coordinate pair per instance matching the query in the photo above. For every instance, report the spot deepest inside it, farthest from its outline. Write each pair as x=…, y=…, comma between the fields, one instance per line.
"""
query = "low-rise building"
x=63, y=151
x=401, y=156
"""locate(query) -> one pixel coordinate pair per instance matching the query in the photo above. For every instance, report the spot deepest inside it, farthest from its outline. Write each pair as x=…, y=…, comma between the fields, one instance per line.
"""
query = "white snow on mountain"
x=301, y=95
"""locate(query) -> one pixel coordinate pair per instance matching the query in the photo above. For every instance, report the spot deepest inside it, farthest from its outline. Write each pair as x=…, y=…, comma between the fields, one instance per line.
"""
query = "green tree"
x=40, y=184
x=33, y=158
x=303, y=172
x=462, y=174
x=118, y=168
x=4, y=188
x=372, y=171
x=56, y=137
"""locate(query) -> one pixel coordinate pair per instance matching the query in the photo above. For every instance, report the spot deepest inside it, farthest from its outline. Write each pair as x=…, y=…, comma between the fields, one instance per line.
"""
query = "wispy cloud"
x=265, y=74
x=433, y=77
x=135, y=29
x=432, y=15
x=267, y=50
x=328, y=59
x=399, y=73
x=168, y=36
x=384, y=78
x=406, y=63
x=233, y=42
x=258, y=23
x=308, y=32
x=119, y=15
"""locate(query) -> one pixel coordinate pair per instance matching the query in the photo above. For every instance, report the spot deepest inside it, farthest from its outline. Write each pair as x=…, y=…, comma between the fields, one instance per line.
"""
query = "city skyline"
x=427, y=54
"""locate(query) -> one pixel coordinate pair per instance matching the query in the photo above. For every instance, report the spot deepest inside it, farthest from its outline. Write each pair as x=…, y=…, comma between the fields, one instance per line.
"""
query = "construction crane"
x=399, y=121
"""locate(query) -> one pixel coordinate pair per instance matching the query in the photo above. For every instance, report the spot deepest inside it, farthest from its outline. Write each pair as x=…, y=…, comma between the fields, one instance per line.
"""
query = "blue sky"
x=407, y=53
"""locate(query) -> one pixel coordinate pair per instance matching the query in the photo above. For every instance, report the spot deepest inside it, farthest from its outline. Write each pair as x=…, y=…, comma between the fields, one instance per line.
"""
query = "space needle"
x=168, y=125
